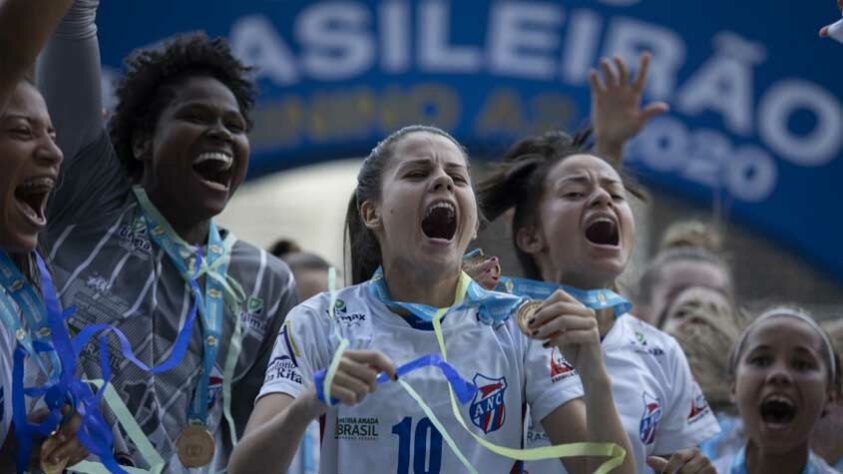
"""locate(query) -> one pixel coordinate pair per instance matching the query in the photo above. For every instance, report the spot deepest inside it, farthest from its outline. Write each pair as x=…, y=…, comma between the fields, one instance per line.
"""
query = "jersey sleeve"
x=550, y=380
x=689, y=420
x=303, y=347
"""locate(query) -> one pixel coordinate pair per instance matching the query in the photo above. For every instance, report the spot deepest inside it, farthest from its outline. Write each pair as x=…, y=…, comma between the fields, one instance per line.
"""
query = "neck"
x=759, y=460
x=409, y=286
x=606, y=317
x=192, y=229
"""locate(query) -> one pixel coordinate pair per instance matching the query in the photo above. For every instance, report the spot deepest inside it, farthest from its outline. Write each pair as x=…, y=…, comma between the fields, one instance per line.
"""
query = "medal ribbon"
x=211, y=303
x=540, y=290
x=739, y=464
x=615, y=453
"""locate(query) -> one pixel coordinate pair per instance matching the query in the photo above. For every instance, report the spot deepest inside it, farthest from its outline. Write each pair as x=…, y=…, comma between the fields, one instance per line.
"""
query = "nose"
x=219, y=132
x=600, y=198
x=779, y=375
x=48, y=153
x=442, y=181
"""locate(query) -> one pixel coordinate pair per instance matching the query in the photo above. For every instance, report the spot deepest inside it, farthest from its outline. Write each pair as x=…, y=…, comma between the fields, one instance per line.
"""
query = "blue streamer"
x=541, y=290
x=464, y=389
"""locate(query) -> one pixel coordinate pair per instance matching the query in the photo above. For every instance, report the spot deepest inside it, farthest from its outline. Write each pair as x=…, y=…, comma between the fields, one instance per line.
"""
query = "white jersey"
x=660, y=404
x=816, y=464
x=389, y=432
x=7, y=350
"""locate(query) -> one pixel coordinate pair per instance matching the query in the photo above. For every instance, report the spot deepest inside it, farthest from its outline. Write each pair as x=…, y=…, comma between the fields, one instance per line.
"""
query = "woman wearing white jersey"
x=785, y=374
x=29, y=166
x=413, y=214
x=573, y=226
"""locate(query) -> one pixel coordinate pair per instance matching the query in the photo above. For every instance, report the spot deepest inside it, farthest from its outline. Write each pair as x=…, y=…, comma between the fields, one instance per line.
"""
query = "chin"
x=23, y=244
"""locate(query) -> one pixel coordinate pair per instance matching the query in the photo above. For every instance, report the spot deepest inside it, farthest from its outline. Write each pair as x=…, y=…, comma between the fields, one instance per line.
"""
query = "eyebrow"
x=427, y=162
x=582, y=179
x=29, y=120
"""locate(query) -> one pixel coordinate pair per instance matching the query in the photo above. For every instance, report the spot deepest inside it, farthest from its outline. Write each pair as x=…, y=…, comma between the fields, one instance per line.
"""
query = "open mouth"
x=778, y=410
x=215, y=168
x=440, y=221
x=603, y=231
x=32, y=196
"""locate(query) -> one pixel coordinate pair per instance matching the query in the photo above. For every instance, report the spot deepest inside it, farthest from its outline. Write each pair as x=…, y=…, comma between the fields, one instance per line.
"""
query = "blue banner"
x=756, y=120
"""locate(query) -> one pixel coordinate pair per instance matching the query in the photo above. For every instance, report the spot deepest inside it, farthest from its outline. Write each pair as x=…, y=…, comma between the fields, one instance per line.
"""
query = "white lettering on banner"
x=539, y=40
x=724, y=83
x=337, y=42
x=581, y=46
x=435, y=54
x=395, y=40
x=789, y=96
x=628, y=37
x=255, y=41
x=522, y=39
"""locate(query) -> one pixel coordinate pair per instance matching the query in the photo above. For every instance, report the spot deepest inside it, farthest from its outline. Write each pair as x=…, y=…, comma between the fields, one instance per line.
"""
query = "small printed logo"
x=359, y=429
x=699, y=405
x=641, y=344
x=650, y=419
x=254, y=305
x=281, y=368
x=560, y=368
x=488, y=409
x=344, y=317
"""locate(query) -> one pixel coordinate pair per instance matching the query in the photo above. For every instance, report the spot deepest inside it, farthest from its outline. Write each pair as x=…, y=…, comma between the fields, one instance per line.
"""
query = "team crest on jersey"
x=699, y=405
x=488, y=409
x=251, y=315
x=650, y=419
x=560, y=368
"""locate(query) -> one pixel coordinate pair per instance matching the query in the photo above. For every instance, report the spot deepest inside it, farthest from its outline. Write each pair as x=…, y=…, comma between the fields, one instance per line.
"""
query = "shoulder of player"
x=352, y=299
x=250, y=259
x=656, y=347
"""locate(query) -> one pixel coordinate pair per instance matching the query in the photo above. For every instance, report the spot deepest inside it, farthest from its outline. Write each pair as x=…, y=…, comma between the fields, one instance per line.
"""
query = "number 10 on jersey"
x=427, y=446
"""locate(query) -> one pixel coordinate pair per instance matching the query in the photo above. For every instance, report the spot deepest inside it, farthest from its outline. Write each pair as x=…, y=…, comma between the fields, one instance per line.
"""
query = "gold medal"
x=525, y=312
x=195, y=446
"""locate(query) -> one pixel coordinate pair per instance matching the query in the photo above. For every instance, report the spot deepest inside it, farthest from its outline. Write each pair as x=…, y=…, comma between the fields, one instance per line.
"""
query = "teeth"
x=603, y=219
x=221, y=157
x=36, y=185
x=440, y=205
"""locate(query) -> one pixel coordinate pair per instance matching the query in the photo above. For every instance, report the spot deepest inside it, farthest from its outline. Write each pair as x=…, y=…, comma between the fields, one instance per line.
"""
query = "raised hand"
x=684, y=461
x=835, y=29
x=616, y=109
x=486, y=272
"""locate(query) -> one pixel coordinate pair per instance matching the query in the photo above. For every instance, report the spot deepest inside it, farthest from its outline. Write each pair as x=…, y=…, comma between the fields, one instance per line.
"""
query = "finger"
x=695, y=465
x=77, y=456
x=679, y=459
x=597, y=86
x=377, y=360
x=363, y=373
x=346, y=381
x=560, y=296
x=643, y=69
x=552, y=311
x=345, y=395
x=67, y=450
x=578, y=337
x=824, y=32
x=657, y=463
x=653, y=110
x=623, y=71
x=609, y=76
x=563, y=324
x=49, y=447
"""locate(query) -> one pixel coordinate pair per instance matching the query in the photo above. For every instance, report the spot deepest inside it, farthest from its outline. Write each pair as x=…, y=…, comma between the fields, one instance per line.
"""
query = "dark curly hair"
x=153, y=77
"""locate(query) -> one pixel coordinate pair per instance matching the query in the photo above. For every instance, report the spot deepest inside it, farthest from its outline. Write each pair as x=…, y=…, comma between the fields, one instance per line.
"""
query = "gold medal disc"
x=525, y=312
x=195, y=446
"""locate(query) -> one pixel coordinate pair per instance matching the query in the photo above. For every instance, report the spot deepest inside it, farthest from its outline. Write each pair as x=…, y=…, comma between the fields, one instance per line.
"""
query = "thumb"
x=657, y=463
x=653, y=110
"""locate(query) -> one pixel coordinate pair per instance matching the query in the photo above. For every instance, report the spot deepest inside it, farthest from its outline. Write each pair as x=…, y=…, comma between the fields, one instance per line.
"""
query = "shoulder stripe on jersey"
x=118, y=268
x=67, y=230
x=259, y=277
x=149, y=280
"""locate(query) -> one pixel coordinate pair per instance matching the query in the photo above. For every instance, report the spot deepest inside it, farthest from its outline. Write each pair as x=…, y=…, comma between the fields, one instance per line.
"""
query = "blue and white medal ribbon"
x=539, y=290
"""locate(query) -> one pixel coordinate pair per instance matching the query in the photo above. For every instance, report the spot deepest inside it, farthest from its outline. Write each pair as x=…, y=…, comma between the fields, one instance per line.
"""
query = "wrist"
x=307, y=407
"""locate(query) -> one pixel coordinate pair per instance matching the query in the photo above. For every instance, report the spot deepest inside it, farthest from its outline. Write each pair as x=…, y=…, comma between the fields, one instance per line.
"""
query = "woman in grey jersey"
x=134, y=205
x=29, y=166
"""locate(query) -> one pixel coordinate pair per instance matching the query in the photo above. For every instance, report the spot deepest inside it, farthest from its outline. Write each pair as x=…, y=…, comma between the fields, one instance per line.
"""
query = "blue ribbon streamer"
x=597, y=299
x=464, y=389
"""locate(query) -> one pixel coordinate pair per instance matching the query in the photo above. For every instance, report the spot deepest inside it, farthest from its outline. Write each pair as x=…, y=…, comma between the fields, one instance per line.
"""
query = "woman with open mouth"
x=409, y=222
x=785, y=374
x=136, y=245
x=29, y=169
x=573, y=230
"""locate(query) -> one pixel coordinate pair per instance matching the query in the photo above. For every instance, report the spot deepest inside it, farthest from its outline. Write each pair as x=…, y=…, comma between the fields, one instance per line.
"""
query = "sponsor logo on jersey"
x=650, y=419
x=360, y=429
x=488, y=409
x=699, y=405
x=640, y=344
x=560, y=369
x=281, y=368
x=344, y=317
x=252, y=315
x=133, y=238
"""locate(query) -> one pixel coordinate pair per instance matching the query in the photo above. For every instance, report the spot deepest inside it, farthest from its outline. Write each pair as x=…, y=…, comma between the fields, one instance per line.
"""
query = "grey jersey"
x=106, y=265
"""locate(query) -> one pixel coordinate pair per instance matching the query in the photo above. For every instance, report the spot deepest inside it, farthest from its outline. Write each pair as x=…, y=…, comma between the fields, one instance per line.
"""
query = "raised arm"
x=69, y=75
x=25, y=25
x=616, y=109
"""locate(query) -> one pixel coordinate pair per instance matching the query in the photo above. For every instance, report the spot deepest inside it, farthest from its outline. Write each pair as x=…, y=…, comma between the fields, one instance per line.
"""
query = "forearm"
x=275, y=442
x=69, y=76
x=602, y=419
x=612, y=151
x=25, y=26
